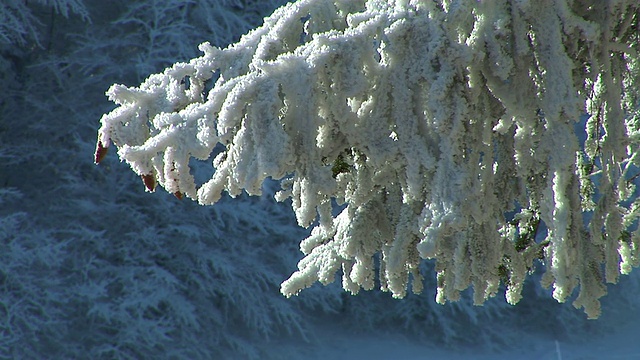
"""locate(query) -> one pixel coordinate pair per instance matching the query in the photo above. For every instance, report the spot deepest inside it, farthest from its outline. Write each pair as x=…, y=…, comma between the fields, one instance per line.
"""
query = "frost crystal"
x=446, y=127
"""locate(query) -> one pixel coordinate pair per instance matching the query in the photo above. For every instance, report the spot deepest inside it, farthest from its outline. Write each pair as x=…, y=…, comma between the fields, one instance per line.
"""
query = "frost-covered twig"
x=431, y=121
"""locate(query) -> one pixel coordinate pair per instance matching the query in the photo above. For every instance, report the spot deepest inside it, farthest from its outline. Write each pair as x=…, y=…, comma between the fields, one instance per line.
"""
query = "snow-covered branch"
x=448, y=128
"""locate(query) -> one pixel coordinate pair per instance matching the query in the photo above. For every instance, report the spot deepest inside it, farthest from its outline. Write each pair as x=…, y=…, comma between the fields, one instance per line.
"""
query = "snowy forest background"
x=93, y=267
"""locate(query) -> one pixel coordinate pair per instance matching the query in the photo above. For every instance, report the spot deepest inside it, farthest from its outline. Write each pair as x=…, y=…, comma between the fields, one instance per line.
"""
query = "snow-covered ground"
x=621, y=343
